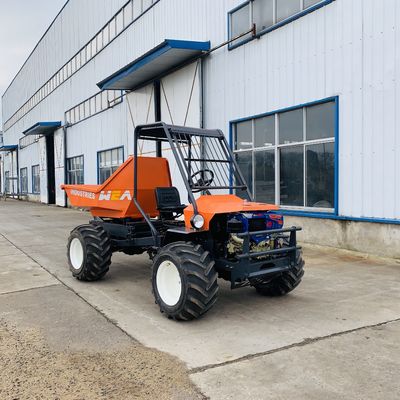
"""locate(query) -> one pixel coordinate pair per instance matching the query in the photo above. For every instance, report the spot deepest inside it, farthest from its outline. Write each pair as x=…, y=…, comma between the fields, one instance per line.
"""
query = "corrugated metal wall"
x=347, y=48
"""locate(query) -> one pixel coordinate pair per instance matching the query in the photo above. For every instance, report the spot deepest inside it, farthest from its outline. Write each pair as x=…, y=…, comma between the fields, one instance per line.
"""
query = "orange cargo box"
x=114, y=197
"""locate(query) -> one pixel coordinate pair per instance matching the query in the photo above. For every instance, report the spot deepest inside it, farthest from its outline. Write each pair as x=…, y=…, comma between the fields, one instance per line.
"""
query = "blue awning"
x=42, y=128
x=158, y=62
x=9, y=147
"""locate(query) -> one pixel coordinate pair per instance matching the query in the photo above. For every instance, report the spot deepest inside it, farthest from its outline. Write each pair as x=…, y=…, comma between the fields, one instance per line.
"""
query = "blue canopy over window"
x=158, y=62
x=43, y=128
x=9, y=147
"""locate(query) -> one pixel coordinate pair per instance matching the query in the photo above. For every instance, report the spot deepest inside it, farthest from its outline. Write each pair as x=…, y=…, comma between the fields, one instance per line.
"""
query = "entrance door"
x=51, y=176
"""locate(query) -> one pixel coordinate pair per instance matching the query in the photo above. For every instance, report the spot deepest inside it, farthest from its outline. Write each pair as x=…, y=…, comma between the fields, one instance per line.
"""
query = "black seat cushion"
x=168, y=199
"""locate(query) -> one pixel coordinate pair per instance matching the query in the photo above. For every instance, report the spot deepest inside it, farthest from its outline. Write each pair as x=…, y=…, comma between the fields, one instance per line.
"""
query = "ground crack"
x=304, y=342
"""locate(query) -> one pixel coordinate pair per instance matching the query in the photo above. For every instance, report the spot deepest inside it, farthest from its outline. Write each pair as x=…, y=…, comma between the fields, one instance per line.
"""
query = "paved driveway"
x=336, y=336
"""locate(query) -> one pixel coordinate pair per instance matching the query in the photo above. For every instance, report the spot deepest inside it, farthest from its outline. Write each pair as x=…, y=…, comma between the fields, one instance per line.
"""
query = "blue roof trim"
x=147, y=58
x=41, y=128
x=9, y=147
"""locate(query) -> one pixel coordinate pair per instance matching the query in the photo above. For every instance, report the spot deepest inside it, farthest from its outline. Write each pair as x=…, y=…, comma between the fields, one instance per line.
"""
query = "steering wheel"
x=203, y=180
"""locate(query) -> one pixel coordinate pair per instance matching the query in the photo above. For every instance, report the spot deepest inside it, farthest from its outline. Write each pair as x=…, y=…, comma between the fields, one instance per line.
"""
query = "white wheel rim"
x=76, y=253
x=169, y=285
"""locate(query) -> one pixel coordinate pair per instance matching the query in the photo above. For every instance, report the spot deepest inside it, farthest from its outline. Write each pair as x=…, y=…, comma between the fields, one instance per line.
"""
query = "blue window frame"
x=108, y=161
x=266, y=15
x=290, y=156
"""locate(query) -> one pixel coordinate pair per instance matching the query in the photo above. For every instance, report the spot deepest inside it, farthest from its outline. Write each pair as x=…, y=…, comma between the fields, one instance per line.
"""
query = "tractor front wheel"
x=284, y=283
x=89, y=252
x=184, y=281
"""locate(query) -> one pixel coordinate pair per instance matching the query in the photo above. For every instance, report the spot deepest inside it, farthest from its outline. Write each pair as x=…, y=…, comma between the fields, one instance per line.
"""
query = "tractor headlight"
x=197, y=221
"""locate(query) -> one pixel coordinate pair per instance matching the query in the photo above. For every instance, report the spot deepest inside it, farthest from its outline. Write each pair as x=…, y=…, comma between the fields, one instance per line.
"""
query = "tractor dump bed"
x=113, y=198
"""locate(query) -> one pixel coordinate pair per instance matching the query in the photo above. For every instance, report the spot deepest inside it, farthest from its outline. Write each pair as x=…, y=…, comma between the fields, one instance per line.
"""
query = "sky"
x=22, y=24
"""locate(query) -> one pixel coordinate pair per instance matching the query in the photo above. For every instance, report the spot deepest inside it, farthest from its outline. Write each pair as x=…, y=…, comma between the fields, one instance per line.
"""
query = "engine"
x=253, y=222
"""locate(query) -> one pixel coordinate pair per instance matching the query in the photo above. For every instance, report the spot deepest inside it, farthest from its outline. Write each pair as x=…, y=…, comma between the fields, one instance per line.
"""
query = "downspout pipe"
x=65, y=127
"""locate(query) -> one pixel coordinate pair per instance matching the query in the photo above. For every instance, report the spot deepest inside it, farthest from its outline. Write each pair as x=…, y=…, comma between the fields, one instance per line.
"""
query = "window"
x=119, y=22
x=99, y=39
x=263, y=12
x=266, y=15
x=310, y=3
x=128, y=14
x=147, y=4
x=7, y=182
x=114, y=26
x=108, y=162
x=288, y=157
x=75, y=174
x=27, y=141
x=24, y=180
x=100, y=102
x=240, y=22
x=291, y=127
x=286, y=8
x=35, y=179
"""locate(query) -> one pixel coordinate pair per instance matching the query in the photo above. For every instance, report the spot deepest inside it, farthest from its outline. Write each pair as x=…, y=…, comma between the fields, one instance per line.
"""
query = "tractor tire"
x=284, y=283
x=184, y=281
x=89, y=252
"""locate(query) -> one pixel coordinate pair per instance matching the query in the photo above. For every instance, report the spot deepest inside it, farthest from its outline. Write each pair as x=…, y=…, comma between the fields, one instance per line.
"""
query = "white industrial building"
x=307, y=95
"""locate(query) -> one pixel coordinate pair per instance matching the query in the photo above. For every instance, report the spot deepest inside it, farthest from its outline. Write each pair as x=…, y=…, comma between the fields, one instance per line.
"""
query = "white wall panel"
x=348, y=48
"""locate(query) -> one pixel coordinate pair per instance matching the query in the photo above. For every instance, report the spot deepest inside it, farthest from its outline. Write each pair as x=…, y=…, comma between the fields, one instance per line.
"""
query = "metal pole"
x=65, y=163
x=157, y=113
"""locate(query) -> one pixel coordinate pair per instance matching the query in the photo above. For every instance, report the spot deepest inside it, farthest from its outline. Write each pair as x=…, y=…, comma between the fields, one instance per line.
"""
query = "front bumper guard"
x=260, y=266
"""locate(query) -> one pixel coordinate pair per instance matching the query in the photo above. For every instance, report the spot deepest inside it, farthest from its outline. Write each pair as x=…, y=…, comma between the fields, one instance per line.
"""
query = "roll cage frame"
x=193, y=149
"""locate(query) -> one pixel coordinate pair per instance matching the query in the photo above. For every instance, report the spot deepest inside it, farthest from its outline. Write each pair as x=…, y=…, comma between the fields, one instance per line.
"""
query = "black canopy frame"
x=196, y=151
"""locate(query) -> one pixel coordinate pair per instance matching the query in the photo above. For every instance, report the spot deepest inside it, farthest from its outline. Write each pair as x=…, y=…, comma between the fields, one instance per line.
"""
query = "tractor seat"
x=168, y=200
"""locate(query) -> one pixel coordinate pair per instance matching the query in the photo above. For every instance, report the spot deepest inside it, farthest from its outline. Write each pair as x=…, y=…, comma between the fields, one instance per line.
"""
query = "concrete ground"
x=336, y=336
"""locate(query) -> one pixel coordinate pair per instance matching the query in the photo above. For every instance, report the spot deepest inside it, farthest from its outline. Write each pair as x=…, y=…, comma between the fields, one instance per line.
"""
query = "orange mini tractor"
x=218, y=235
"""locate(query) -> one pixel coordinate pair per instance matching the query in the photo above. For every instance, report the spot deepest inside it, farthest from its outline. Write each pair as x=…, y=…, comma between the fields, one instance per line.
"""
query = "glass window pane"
x=147, y=4
x=104, y=100
x=107, y=158
x=106, y=35
x=264, y=131
x=112, y=30
x=245, y=163
x=321, y=175
x=243, y=136
x=128, y=14
x=292, y=176
x=240, y=23
x=291, y=126
x=120, y=22
x=104, y=174
x=265, y=176
x=80, y=177
x=98, y=103
x=320, y=121
x=263, y=14
x=286, y=8
x=309, y=3
x=99, y=41
x=94, y=47
x=114, y=157
x=120, y=156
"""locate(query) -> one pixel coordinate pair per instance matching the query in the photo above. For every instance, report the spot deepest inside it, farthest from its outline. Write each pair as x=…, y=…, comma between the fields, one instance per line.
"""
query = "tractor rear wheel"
x=284, y=283
x=89, y=252
x=184, y=281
